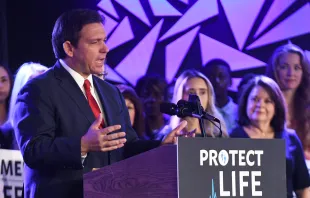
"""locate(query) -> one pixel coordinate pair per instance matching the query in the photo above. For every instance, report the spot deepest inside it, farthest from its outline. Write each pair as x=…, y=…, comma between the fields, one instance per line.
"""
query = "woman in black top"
x=261, y=114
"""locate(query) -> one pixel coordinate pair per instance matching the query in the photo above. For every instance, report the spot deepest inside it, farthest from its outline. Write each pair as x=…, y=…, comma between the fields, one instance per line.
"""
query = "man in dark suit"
x=68, y=121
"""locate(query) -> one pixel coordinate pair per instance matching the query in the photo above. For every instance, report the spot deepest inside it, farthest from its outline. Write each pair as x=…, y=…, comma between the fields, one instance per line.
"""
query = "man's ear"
x=68, y=48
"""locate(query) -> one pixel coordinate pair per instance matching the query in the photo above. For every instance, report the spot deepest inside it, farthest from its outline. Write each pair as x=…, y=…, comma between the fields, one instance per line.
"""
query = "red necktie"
x=91, y=101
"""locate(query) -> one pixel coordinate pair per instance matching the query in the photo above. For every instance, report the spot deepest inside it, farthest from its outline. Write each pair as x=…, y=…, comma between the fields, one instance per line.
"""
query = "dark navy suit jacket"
x=52, y=114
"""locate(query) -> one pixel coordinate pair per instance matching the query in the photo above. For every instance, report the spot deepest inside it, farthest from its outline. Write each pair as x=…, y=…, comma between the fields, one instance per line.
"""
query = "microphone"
x=184, y=109
x=169, y=108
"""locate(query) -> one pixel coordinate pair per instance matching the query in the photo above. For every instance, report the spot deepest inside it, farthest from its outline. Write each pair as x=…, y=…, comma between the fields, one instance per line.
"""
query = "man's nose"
x=104, y=48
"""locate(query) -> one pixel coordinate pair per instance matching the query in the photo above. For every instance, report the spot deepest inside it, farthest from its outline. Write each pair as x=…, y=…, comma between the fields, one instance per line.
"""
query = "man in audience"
x=219, y=73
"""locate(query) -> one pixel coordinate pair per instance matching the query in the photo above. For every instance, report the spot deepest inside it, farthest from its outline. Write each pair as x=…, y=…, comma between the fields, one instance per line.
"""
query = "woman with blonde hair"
x=290, y=68
x=25, y=73
x=194, y=82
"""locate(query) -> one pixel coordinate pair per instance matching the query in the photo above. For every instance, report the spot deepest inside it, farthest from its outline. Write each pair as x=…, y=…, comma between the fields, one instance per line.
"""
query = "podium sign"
x=214, y=168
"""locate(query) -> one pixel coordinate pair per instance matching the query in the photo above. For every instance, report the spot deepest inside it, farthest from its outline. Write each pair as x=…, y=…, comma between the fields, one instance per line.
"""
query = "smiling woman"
x=261, y=114
x=290, y=68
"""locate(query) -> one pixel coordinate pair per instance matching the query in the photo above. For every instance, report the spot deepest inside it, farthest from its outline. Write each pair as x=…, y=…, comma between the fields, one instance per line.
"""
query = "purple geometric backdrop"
x=168, y=36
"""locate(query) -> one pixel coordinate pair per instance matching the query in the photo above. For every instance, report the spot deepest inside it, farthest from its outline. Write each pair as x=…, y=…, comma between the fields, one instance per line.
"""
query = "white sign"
x=11, y=174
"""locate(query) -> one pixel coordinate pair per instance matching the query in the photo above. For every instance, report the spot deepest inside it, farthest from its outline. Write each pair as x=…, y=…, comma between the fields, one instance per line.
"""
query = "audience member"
x=261, y=114
x=25, y=73
x=135, y=109
x=290, y=68
x=6, y=83
x=194, y=82
x=219, y=73
x=151, y=89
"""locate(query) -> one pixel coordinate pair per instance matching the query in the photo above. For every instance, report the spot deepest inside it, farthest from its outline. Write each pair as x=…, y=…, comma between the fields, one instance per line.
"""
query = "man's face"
x=220, y=78
x=152, y=96
x=90, y=53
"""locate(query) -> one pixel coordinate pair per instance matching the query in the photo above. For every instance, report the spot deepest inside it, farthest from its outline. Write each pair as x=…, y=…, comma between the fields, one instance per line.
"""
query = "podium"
x=194, y=168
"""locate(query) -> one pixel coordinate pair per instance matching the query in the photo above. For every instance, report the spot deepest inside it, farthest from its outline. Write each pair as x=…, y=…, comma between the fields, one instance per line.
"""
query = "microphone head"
x=169, y=108
x=185, y=108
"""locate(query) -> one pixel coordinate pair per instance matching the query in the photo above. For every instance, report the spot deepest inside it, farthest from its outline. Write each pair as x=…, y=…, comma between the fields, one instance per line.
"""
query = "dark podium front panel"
x=196, y=168
x=150, y=174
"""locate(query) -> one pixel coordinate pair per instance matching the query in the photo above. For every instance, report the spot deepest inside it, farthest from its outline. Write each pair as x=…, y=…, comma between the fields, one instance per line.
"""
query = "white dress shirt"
x=80, y=82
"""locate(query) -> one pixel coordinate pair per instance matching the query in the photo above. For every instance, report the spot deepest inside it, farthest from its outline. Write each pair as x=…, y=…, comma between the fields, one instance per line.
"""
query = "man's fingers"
x=114, y=136
x=111, y=148
x=109, y=129
x=113, y=142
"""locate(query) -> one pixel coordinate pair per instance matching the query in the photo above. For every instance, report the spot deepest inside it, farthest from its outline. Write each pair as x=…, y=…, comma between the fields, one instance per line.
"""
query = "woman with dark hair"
x=261, y=114
x=151, y=90
x=6, y=83
x=290, y=68
x=135, y=109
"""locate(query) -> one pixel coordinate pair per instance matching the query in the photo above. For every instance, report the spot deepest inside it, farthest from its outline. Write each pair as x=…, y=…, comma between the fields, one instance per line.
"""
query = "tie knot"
x=86, y=85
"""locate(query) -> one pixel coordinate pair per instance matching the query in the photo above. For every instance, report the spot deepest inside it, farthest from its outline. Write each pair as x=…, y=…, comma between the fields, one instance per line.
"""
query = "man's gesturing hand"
x=97, y=139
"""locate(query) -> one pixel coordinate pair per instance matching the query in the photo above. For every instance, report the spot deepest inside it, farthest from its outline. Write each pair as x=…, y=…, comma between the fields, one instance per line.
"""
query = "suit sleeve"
x=36, y=131
x=134, y=145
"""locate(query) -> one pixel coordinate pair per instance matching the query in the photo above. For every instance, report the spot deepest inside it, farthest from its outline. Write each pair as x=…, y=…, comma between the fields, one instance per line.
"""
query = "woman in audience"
x=134, y=107
x=25, y=73
x=6, y=82
x=151, y=90
x=194, y=82
x=290, y=68
x=261, y=114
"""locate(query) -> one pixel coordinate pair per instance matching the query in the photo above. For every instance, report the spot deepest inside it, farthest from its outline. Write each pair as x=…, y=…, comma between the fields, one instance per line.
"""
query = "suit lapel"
x=71, y=88
x=104, y=100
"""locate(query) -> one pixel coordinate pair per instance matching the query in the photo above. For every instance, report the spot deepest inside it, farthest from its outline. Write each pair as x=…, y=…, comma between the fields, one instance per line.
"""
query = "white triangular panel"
x=176, y=52
x=112, y=75
x=241, y=16
x=290, y=27
x=118, y=37
x=276, y=9
x=136, y=63
x=109, y=23
x=211, y=48
x=199, y=12
x=163, y=8
x=107, y=6
x=135, y=7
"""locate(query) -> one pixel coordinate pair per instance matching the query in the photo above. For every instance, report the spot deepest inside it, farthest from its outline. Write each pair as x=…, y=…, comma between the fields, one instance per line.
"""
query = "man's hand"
x=171, y=138
x=97, y=139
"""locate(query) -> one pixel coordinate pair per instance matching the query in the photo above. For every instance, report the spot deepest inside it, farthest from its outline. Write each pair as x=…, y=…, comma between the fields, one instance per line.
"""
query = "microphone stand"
x=202, y=126
x=203, y=116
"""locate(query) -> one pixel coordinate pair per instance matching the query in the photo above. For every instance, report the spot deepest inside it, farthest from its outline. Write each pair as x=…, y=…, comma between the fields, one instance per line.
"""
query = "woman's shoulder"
x=291, y=136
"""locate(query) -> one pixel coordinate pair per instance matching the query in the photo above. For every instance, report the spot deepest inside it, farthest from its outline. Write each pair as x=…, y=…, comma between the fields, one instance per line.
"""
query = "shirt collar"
x=76, y=76
x=228, y=105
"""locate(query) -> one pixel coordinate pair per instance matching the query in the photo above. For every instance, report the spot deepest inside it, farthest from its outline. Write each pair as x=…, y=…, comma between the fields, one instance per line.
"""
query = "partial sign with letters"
x=11, y=181
x=216, y=168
